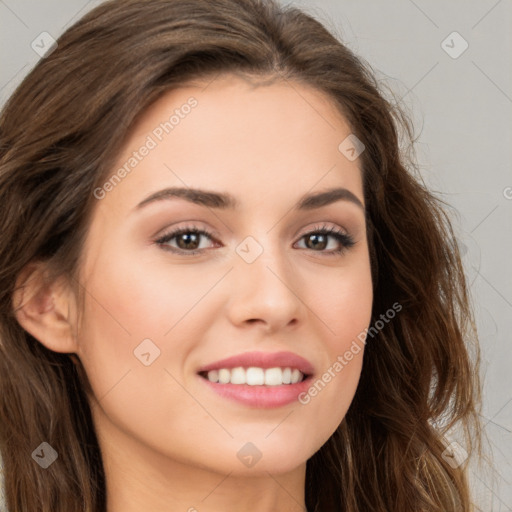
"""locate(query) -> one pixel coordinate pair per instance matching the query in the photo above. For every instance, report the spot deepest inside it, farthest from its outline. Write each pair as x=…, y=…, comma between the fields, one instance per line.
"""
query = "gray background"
x=462, y=110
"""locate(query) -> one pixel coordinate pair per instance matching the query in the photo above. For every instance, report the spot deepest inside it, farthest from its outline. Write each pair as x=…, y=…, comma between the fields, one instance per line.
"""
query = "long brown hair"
x=60, y=133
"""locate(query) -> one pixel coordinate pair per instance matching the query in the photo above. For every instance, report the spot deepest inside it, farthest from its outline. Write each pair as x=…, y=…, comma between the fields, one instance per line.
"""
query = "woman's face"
x=261, y=280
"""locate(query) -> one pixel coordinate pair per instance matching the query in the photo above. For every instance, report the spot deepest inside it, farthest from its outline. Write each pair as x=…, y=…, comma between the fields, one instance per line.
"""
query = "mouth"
x=257, y=379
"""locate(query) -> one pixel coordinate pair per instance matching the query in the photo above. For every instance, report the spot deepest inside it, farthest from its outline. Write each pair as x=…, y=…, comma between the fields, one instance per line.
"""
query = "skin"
x=168, y=441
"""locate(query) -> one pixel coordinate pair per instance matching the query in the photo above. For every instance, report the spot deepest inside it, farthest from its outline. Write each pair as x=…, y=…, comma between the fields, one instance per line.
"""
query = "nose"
x=265, y=292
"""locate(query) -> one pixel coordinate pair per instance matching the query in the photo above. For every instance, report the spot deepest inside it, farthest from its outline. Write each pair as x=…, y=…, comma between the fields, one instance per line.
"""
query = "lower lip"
x=267, y=397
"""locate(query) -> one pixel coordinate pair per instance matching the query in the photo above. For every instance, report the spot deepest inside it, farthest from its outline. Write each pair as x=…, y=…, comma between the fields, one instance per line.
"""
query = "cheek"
x=344, y=304
x=144, y=299
x=128, y=302
x=344, y=307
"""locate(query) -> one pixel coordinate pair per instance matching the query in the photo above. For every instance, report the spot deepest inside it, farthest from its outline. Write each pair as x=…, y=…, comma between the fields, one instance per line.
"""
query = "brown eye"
x=185, y=240
x=318, y=240
x=188, y=240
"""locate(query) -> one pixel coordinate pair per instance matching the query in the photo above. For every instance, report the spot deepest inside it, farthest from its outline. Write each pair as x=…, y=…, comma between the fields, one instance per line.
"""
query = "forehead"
x=251, y=137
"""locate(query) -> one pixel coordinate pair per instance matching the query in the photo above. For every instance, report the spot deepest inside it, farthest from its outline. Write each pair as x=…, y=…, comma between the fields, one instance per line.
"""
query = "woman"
x=223, y=288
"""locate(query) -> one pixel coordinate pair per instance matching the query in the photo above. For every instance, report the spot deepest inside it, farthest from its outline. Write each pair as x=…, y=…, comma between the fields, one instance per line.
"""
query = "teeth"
x=256, y=376
x=273, y=377
x=296, y=376
x=237, y=376
x=213, y=376
x=224, y=376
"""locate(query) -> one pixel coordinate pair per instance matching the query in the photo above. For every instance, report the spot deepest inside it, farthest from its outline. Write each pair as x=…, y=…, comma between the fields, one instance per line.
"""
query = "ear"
x=46, y=310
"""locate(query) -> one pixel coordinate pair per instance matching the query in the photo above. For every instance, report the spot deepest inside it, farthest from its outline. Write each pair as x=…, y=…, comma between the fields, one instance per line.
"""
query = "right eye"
x=188, y=240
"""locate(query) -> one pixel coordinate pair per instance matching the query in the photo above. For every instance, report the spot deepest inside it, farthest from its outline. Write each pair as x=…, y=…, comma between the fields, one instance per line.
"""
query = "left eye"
x=187, y=240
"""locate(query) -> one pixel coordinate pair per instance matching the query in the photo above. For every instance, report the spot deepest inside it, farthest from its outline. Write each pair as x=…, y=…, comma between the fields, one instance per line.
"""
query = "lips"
x=259, y=379
x=262, y=360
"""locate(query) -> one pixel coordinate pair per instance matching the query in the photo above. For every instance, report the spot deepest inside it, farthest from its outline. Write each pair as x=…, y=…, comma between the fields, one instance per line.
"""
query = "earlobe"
x=44, y=309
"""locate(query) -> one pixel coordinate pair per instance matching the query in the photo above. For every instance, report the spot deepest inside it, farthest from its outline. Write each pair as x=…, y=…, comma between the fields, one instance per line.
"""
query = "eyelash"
x=346, y=241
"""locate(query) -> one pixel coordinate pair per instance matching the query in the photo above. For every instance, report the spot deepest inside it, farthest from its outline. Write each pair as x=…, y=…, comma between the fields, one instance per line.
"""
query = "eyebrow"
x=226, y=201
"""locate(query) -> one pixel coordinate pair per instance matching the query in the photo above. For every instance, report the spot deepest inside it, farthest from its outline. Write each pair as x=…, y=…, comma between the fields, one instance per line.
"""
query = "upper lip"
x=262, y=360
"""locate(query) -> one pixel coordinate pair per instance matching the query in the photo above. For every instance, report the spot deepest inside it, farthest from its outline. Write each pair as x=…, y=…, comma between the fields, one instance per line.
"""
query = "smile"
x=255, y=376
